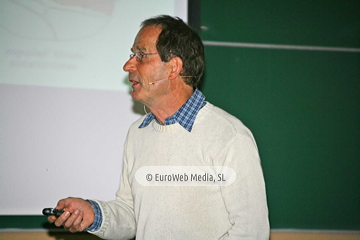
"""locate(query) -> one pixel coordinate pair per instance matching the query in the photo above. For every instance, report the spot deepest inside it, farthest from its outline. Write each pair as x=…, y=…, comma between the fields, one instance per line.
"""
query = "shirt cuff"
x=98, y=217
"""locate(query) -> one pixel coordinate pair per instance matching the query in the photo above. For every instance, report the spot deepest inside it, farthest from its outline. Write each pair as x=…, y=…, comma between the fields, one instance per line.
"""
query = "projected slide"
x=71, y=43
x=57, y=19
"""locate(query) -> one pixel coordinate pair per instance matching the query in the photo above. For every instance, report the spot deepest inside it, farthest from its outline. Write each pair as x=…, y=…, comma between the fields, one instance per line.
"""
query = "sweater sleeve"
x=245, y=199
x=118, y=215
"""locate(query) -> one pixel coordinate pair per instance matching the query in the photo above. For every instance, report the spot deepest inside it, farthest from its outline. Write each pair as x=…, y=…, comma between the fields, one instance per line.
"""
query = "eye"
x=141, y=55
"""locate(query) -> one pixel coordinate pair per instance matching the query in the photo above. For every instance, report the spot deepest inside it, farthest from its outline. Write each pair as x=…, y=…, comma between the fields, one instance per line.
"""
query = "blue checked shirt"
x=185, y=116
x=98, y=217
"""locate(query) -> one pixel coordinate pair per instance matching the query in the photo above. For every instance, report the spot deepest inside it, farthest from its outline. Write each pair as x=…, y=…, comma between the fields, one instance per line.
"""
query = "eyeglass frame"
x=139, y=56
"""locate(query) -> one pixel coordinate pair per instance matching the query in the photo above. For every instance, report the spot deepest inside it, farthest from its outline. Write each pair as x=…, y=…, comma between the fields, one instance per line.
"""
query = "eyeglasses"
x=139, y=56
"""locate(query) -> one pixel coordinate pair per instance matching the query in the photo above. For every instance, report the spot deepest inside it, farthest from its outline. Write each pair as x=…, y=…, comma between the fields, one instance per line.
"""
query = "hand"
x=78, y=214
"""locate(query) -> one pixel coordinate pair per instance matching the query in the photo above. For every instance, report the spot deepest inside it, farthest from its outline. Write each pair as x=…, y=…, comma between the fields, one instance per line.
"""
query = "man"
x=181, y=130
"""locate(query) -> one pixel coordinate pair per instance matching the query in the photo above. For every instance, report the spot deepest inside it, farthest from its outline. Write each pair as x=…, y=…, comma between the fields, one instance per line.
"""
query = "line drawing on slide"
x=55, y=20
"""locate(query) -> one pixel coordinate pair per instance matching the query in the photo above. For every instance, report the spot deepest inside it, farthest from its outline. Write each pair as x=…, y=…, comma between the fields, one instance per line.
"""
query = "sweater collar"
x=185, y=115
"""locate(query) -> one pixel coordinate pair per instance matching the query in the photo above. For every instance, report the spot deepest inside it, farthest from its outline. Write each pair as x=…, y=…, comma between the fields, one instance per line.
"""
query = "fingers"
x=71, y=221
x=79, y=214
x=76, y=226
x=62, y=219
x=51, y=219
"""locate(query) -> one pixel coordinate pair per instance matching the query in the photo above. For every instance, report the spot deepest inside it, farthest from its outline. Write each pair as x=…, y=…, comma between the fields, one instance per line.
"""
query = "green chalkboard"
x=302, y=105
x=25, y=222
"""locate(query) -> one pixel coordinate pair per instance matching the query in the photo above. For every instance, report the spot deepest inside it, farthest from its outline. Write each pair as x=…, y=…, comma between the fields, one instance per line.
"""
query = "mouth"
x=134, y=83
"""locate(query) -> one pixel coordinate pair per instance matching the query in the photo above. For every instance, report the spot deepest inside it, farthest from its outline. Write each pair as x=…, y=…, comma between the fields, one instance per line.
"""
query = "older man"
x=181, y=130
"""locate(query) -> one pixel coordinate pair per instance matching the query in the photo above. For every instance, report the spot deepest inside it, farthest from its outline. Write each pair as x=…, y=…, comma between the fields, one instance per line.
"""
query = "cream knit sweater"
x=236, y=211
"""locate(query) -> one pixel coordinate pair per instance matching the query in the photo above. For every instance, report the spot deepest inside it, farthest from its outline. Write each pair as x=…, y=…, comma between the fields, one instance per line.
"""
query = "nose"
x=130, y=65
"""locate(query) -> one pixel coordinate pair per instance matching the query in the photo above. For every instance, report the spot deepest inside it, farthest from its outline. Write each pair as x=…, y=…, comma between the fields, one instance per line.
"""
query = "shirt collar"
x=185, y=116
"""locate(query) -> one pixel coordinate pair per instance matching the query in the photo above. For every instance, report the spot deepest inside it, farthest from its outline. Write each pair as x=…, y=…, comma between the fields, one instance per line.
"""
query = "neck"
x=167, y=105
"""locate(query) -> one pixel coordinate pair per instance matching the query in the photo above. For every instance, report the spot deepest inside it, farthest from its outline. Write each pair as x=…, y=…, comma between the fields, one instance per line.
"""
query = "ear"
x=176, y=65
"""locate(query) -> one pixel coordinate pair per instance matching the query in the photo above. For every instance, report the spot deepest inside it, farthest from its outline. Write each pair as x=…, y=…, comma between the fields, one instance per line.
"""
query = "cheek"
x=152, y=69
x=151, y=74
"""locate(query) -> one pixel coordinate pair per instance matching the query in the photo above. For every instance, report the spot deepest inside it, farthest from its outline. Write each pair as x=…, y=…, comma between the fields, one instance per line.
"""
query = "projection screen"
x=65, y=99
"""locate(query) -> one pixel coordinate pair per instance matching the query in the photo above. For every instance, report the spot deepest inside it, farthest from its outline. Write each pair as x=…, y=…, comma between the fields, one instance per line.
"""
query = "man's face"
x=149, y=70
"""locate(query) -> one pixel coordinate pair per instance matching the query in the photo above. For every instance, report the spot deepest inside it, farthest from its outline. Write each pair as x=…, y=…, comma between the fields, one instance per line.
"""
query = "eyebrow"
x=138, y=48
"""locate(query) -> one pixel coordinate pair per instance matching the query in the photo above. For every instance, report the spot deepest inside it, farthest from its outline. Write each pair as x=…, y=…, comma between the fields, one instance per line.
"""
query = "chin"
x=136, y=96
